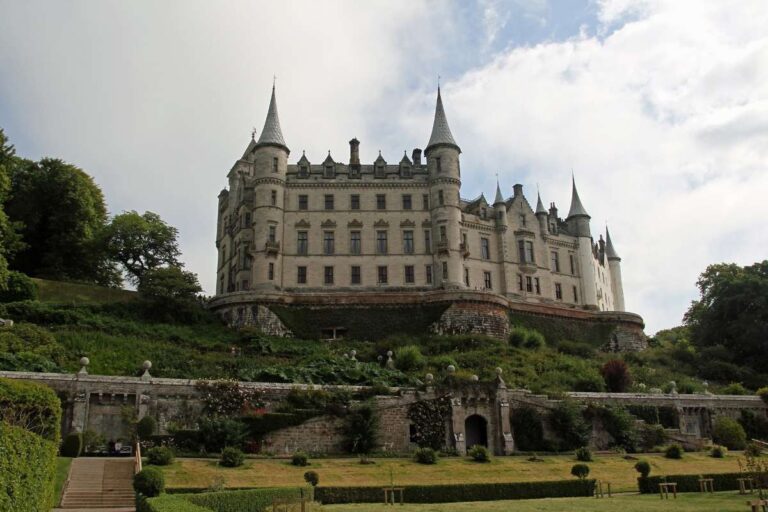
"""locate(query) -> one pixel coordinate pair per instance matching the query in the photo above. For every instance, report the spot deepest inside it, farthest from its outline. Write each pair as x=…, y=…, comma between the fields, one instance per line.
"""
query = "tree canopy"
x=9, y=239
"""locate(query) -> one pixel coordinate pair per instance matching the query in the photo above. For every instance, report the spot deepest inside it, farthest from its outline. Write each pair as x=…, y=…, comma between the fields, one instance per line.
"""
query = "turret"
x=442, y=155
x=500, y=207
x=578, y=218
x=578, y=225
x=614, y=265
x=541, y=215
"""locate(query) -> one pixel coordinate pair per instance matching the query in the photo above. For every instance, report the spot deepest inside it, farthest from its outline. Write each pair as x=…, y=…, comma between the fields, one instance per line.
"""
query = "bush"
x=27, y=470
x=312, y=478
x=753, y=450
x=580, y=471
x=146, y=427
x=160, y=456
x=409, y=358
x=734, y=388
x=299, y=459
x=569, y=425
x=576, y=348
x=72, y=445
x=584, y=454
x=216, y=433
x=616, y=375
x=650, y=436
x=718, y=452
x=674, y=451
x=479, y=453
x=643, y=467
x=526, y=338
x=251, y=500
x=621, y=425
x=20, y=287
x=360, y=430
x=149, y=482
x=31, y=406
x=729, y=433
x=755, y=425
x=167, y=503
x=425, y=455
x=231, y=458
x=763, y=394
x=527, y=424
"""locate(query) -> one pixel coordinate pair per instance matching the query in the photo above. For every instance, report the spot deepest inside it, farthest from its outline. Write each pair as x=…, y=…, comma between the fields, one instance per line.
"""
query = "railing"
x=137, y=458
x=442, y=247
x=272, y=247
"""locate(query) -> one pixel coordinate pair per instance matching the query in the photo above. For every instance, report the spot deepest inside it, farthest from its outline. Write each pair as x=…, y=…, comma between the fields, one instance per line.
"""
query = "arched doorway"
x=476, y=430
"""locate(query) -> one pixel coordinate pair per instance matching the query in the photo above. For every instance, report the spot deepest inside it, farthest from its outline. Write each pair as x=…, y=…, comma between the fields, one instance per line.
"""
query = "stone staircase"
x=99, y=483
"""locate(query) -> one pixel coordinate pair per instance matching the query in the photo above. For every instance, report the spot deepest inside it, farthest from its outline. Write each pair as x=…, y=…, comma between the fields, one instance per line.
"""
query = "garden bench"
x=743, y=485
x=758, y=505
x=664, y=489
x=706, y=485
x=389, y=494
x=599, y=489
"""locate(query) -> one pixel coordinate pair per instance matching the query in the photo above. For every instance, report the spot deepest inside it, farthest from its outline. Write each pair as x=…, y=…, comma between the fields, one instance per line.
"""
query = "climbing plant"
x=228, y=397
x=428, y=418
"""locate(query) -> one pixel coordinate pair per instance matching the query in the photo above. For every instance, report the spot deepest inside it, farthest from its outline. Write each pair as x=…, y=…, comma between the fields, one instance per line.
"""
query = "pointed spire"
x=576, y=206
x=499, y=197
x=272, y=135
x=610, y=252
x=441, y=133
x=540, y=205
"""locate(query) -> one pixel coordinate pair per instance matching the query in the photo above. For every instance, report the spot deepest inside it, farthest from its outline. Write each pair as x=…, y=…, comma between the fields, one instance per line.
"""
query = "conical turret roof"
x=539, y=205
x=610, y=252
x=576, y=206
x=441, y=132
x=272, y=135
x=499, y=198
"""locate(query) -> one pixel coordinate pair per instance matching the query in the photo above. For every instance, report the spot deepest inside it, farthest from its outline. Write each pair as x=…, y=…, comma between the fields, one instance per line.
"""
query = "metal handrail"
x=137, y=458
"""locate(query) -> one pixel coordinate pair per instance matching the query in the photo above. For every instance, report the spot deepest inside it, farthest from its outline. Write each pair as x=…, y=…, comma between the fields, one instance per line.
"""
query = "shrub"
x=576, y=348
x=616, y=375
x=72, y=445
x=569, y=425
x=360, y=430
x=734, y=388
x=299, y=459
x=428, y=418
x=425, y=455
x=753, y=450
x=149, y=482
x=643, y=467
x=216, y=433
x=479, y=453
x=27, y=470
x=729, y=433
x=251, y=500
x=146, y=427
x=527, y=338
x=31, y=406
x=312, y=478
x=160, y=456
x=755, y=425
x=584, y=454
x=718, y=452
x=409, y=358
x=650, y=436
x=527, y=424
x=580, y=471
x=674, y=451
x=20, y=287
x=763, y=394
x=231, y=457
x=620, y=425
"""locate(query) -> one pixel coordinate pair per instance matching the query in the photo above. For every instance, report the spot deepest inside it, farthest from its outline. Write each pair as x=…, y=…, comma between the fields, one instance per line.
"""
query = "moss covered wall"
x=555, y=330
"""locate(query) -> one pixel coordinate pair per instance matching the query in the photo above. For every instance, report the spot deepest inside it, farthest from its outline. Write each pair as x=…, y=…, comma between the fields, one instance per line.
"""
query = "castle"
x=381, y=234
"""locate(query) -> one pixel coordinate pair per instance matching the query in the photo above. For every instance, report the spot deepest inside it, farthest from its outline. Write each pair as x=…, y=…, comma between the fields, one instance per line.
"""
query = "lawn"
x=62, y=471
x=61, y=292
x=719, y=502
x=349, y=472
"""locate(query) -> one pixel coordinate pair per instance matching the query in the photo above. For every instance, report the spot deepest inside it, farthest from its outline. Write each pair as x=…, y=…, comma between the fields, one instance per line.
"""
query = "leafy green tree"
x=9, y=239
x=361, y=430
x=62, y=211
x=169, y=283
x=141, y=243
x=733, y=312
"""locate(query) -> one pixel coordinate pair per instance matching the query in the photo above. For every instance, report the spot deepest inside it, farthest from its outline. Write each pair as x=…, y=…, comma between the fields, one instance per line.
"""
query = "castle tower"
x=541, y=215
x=578, y=226
x=442, y=155
x=614, y=265
x=270, y=164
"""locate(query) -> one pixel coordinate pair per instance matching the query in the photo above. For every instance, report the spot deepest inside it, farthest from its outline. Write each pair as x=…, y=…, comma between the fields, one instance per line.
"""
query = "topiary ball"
x=231, y=458
x=299, y=459
x=149, y=482
x=479, y=453
x=674, y=451
x=425, y=456
x=643, y=467
x=72, y=445
x=580, y=471
x=160, y=456
x=312, y=478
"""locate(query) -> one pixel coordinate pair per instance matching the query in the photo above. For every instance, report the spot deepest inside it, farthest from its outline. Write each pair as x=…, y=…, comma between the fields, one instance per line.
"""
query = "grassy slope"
x=349, y=472
x=75, y=293
x=719, y=502
x=62, y=472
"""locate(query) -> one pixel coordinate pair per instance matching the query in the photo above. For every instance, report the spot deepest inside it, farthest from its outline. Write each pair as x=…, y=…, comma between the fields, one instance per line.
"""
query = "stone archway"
x=476, y=431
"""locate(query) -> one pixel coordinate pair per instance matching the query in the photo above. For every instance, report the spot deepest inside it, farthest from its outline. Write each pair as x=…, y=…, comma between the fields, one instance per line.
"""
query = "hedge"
x=254, y=500
x=27, y=470
x=690, y=483
x=31, y=406
x=167, y=503
x=461, y=492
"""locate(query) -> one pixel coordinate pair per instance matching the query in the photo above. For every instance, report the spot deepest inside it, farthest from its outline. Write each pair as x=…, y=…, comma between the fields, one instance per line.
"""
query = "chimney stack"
x=416, y=157
x=354, y=152
x=518, y=188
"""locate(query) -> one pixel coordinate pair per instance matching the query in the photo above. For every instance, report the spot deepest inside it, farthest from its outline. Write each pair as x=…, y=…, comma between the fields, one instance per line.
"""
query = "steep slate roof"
x=610, y=252
x=441, y=133
x=499, y=198
x=539, y=205
x=272, y=135
x=251, y=145
x=576, y=206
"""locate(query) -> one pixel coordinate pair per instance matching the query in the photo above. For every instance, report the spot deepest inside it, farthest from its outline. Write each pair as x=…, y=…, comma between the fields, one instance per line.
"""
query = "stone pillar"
x=507, y=442
x=80, y=412
x=457, y=417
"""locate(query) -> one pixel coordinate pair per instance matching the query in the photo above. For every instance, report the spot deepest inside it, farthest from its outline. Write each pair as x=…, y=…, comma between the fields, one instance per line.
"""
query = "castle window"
x=382, y=274
x=466, y=277
x=328, y=275
x=354, y=242
x=440, y=198
x=274, y=164
x=354, y=277
x=438, y=164
x=328, y=171
x=520, y=282
x=552, y=228
x=525, y=251
x=558, y=291
x=247, y=260
x=428, y=272
x=272, y=233
x=354, y=171
x=303, y=202
x=301, y=275
x=245, y=285
x=571, y=259
x=381, y=242
x=522, y=220
x=409, y=277
x=555, y=261
x=329, y=201
x=445, y=271
x=354, y=202
x=408, y=242
x=221, y=284
x=405, y=171
x=302, y=243
x=303, y=171
x=538, y=285
x=528, y=284
x=273, y=197
x=328, y=243
x=407, y=202
x=425, y=202
x=575, y=295
x=379, y=172
x=487, y=279
x=485, y=249
x=442, y=234
x=247, y=219
x=271, y=272
x=428, y=241
x=381, y=201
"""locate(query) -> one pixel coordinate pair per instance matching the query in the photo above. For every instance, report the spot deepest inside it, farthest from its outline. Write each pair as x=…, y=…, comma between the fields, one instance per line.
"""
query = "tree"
x=169, y=283
x=733, y=313
x=361, y=430
x=10, y=241
x=62, y=210
x=616, y=375
x=141, y=243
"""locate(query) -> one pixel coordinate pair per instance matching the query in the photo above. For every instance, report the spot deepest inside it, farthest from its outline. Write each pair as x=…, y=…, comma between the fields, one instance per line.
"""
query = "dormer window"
x=379, y=171
x=405, y=171
x=304, y=171
x=329, y=171
x=354, y=171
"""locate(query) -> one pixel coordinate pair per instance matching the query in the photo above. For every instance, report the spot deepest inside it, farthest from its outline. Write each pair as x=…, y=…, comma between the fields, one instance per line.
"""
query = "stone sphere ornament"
x=474, y=378
x=499, y=371
x=451, y=368
x=429, y=378
x=146, y=365
x=84, y=361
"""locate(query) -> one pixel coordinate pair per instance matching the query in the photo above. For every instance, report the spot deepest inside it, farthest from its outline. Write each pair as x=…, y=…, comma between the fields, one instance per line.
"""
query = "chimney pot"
x=518, y=188
x=416, y=157
x=354, y=152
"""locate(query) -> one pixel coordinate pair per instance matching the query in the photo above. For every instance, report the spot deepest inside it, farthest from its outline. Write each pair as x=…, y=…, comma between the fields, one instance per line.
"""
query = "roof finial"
x=438, y=82
x=253, y=133
x=274, y=79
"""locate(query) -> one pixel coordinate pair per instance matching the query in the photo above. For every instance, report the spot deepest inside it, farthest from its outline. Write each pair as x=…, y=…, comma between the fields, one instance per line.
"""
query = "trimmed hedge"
x=168, y=503
x=31, y=406
x=27, y=470
x=254, y=500
x=690, y=483
x=464, y=492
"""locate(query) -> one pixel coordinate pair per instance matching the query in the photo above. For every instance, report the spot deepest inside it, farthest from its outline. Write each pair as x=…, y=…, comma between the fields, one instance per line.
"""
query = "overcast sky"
x=659, y=107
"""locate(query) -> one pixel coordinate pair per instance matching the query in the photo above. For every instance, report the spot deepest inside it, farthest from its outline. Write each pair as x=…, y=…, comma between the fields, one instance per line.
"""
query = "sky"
x=659, y=108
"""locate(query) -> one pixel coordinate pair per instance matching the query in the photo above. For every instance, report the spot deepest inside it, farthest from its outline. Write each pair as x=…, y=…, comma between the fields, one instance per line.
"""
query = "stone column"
x=80, y=411
x=507, y=442
x=457, y=417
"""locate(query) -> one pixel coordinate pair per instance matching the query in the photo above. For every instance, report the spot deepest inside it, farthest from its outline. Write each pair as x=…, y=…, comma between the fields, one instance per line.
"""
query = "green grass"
x=62, y=472
x=718, y=502
x=60, y=292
